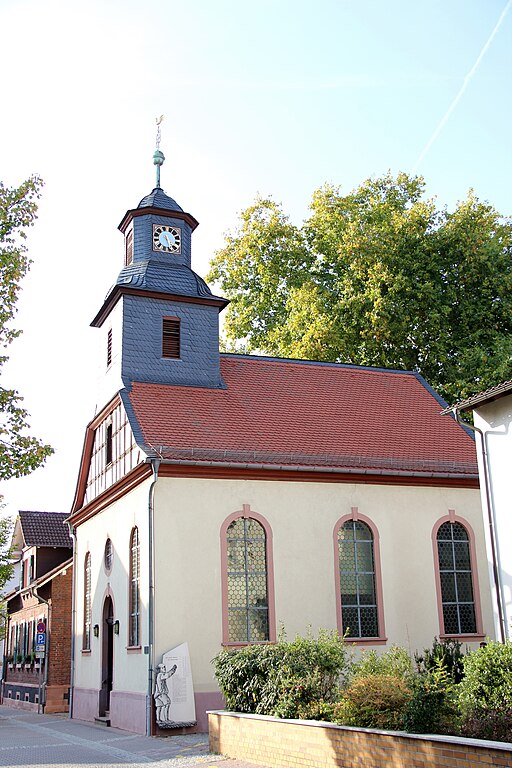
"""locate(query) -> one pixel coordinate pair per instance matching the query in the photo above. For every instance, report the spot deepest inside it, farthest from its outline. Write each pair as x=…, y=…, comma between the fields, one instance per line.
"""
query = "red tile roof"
x=301, y=414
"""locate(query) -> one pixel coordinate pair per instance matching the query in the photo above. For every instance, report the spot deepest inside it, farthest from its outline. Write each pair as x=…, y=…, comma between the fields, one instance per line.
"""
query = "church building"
x=222, y=497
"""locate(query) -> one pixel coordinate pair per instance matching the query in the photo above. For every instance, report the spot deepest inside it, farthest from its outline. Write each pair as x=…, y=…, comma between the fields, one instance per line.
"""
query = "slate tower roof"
x=156, y=289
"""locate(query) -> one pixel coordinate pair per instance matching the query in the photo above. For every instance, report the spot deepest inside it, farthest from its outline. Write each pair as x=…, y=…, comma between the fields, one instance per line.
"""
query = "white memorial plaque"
x=174, y=691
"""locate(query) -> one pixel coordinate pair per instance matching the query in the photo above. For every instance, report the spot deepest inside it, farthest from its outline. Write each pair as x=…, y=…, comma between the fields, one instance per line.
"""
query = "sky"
x=275, y=97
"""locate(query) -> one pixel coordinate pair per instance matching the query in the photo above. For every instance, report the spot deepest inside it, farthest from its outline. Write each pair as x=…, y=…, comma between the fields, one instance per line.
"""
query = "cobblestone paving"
x=54, y=741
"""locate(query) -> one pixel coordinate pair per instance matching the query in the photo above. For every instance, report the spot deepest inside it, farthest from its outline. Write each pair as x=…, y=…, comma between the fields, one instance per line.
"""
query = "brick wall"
x=299, y=744
x=60, y=630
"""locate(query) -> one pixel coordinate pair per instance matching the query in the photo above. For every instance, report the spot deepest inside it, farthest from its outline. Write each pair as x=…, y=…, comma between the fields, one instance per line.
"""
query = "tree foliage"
x=19, y=452
x=6, y=567
x=378, y=277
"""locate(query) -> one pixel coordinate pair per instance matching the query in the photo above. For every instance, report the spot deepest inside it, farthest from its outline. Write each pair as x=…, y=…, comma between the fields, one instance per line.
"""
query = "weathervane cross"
x=158, y=156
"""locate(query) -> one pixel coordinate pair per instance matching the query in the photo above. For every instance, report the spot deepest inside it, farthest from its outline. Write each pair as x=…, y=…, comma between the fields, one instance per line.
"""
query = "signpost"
x=40, y=654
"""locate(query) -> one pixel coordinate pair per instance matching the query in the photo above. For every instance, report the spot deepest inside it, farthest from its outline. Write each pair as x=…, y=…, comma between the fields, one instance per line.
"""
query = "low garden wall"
x=305, y=744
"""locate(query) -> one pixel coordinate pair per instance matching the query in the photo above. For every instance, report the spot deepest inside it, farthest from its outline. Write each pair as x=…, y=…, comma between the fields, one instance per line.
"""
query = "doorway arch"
x=107, y=655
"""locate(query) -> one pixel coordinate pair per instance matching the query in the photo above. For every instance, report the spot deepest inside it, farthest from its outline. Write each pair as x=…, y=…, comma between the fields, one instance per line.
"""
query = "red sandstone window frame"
x=381, y=638
x=247, y=513
x=452, y=517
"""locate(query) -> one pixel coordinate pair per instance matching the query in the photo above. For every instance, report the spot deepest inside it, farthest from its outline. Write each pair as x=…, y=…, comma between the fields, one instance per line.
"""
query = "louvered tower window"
x=171, y=337
x=109, y=347
x=129, y=248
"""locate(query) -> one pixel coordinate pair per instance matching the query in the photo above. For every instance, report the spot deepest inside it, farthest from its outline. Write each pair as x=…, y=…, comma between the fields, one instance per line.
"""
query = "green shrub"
x=432, y=706
x=280, y=679
x=492, y=724
x=485, y=693
x=448, y=652
x=395, y=661
x=374, y=701
x=317, y=710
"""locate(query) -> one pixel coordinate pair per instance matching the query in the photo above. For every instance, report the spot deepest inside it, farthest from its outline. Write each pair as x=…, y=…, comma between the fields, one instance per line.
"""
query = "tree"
x=6, y=567
x=19, y=452
x=377, y=277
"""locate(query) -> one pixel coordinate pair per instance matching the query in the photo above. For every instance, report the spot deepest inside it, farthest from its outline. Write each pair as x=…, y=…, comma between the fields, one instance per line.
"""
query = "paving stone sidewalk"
x=48, y=741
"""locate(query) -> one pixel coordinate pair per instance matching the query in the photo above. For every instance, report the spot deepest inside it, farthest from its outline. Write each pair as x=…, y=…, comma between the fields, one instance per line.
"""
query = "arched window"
x=358, y=584
x=459, y=606
x=134, y=622
x=248, y=604
x=86, y=638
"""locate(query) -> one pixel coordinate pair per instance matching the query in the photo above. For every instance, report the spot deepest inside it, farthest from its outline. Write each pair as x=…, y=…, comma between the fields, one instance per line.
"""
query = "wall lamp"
x=116, y=627
x=96, y=630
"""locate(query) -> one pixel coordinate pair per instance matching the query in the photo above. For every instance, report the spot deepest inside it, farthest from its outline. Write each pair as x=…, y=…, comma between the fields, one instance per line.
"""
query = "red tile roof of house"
x=301, y=414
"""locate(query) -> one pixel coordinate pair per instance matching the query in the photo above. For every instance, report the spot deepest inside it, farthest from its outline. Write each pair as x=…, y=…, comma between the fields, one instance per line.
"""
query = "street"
x=54, y=741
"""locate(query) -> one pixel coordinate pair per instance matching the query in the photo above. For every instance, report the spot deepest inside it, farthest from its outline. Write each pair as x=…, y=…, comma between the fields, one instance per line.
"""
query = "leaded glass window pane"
x=247, y=581
x=86, y=638
x=357, y=580
x=134, y=624
x=456, y=579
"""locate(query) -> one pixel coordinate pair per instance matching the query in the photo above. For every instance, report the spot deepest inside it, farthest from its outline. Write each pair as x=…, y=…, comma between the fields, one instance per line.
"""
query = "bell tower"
x=160, y=320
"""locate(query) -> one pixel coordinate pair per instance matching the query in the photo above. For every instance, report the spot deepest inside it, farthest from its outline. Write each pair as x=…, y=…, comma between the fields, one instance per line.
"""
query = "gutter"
x=491, y=519
x=155, y=464
x=315, y=468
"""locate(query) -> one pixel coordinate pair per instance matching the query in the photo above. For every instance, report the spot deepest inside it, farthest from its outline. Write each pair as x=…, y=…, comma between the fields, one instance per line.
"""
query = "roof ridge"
x=321, y=363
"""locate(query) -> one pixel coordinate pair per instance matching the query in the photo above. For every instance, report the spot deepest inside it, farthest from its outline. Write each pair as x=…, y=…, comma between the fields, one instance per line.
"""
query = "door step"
x=103, y=720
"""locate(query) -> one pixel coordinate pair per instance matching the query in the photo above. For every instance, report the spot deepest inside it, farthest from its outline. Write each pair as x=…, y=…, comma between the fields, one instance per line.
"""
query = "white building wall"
x=189, y=515
x=130, y=666
x=495, y=420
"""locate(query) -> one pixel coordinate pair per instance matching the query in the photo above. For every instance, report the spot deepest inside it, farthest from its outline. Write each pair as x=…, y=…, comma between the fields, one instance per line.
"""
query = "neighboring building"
x=221, y=497
x=492, y=413
x=43, y=548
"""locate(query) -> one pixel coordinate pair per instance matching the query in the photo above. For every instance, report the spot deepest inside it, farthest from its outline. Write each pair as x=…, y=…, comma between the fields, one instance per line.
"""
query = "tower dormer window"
x=109, y=347
x=128, y=257
x=171, y=337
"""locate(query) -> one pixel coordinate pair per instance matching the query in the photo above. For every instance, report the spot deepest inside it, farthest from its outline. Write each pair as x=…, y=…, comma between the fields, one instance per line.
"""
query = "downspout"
x=155, y=464
x=72, y=533
x=492, y=524
x=35, y=593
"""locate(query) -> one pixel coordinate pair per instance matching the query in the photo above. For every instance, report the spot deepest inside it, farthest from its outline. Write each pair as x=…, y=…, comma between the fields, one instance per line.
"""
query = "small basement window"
x=171, y=337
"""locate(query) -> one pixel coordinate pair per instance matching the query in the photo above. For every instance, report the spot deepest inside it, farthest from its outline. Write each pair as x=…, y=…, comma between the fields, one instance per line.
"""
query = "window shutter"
x=171, y=337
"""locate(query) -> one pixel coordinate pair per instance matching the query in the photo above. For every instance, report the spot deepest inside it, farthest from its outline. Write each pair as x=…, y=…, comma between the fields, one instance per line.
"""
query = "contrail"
x=463, y=87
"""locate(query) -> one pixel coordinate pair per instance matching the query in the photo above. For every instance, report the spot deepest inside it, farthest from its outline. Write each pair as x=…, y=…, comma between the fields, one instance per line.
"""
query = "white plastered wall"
x=495, y=419
x=115, y=522
x=189, y=515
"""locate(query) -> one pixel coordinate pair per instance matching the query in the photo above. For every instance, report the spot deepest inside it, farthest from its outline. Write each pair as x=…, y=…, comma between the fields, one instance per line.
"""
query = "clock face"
x=166, y=238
